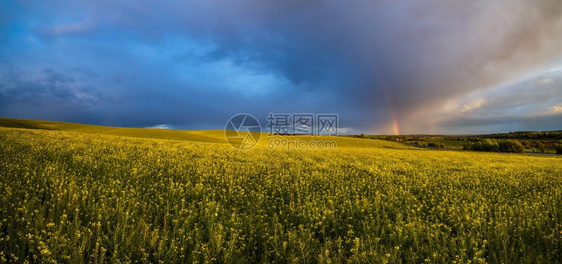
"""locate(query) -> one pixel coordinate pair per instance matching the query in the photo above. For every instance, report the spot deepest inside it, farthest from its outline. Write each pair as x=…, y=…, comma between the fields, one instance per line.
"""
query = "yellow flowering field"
x=83, y=197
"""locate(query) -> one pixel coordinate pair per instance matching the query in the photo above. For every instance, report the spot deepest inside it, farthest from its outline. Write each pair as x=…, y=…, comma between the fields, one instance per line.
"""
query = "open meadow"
x=73, y=193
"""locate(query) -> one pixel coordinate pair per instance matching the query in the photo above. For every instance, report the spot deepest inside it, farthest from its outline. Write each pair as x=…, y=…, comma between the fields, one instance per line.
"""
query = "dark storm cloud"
x=48, y=88
x=49, y=94
x=194, y=63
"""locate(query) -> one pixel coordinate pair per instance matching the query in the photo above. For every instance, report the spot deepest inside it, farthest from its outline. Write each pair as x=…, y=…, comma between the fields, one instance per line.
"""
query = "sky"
x=384, y=66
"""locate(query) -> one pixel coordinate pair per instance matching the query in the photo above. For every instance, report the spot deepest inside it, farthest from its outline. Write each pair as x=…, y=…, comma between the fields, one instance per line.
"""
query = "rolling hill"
x=207, y=136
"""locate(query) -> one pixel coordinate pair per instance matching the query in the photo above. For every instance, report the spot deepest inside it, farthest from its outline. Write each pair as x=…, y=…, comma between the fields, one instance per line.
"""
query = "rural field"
x=86, y=194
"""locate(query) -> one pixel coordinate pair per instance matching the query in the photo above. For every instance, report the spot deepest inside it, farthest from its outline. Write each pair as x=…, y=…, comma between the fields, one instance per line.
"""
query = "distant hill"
x=24, y=123
x=208, y=136
x=211, y=136
x=528, y=135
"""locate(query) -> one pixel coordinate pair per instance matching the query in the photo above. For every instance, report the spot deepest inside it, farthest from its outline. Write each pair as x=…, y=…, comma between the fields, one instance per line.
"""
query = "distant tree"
x=511, y=146
x=489, y=145
x=540, y=146
x=362, y=135
x=477, y=146
x=473, y=139
x=436, y=145
x=558, y=148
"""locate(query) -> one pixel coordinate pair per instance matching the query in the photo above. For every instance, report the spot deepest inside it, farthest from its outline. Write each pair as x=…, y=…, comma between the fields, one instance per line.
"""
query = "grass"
x=207, y=136
x=211, y=136
x=76, y=193
x=24, y=123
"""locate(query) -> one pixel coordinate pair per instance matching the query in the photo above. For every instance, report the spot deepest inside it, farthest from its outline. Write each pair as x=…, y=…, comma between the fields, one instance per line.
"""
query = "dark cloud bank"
x=431, y=66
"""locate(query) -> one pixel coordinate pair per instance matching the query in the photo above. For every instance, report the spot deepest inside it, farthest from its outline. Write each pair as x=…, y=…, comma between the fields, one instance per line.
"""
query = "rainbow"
x=396, y=128
x=395, y=124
